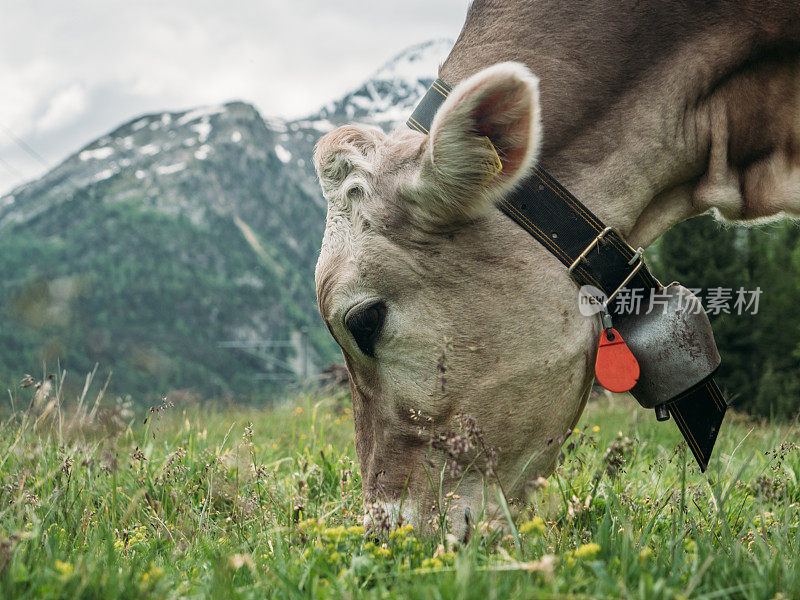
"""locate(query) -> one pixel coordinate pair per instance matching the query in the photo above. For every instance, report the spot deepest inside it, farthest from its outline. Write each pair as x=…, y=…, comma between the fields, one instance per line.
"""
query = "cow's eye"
x=364, y=323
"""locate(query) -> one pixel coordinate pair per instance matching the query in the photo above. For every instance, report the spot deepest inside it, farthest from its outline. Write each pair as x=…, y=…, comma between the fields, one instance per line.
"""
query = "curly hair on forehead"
x=345, y=162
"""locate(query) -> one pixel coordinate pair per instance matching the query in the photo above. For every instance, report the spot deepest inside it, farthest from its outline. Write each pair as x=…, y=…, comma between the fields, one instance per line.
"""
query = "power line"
x=258, y=344
x=270, y=352
x=24, y=145
x=11, y=169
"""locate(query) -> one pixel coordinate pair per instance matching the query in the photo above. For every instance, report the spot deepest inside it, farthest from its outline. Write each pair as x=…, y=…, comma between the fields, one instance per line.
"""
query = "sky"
x=72, y=71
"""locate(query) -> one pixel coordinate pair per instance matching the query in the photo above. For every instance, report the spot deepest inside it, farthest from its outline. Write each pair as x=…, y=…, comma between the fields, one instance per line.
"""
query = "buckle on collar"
x=636, y=259
x=588, y=248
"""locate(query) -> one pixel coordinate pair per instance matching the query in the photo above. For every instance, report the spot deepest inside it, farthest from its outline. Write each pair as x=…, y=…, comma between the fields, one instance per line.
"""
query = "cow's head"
x=415, y=253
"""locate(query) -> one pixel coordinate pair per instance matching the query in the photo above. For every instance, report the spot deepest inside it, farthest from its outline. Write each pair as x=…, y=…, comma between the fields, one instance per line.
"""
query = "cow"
x=648, y=112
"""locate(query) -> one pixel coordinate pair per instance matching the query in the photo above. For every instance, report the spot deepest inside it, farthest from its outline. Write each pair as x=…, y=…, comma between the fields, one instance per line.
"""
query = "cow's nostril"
x=364, y=322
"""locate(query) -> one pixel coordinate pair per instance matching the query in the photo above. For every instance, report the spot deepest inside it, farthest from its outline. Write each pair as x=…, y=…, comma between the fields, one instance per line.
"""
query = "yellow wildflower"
x=587, y=551
x=335, y=533
x=534, y=526
x=596, y=428
x=64, y=569
x=432, y=563
x=401, y=532
x=355, y=529
x=309, y=525
x=153, y=574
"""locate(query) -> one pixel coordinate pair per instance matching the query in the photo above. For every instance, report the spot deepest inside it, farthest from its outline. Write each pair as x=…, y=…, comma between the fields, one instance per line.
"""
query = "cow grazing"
x=649, y=112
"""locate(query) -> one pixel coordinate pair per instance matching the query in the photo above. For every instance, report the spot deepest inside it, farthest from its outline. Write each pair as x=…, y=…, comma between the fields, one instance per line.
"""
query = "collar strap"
x=423, y=114
x=595, y=255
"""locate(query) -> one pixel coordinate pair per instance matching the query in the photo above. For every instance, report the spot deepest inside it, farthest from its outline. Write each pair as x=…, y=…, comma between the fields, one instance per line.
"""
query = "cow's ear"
x=343, y=156
x=483, y=141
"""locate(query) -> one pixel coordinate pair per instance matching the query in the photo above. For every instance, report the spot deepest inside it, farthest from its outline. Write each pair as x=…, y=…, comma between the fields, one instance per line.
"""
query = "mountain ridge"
x=176, y=231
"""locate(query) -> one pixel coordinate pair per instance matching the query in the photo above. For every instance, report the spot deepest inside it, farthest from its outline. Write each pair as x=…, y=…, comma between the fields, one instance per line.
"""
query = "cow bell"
x=674, y=345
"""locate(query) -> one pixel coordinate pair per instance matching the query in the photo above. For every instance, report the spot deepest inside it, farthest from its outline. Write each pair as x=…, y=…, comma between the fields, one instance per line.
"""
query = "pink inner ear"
x=503, y=118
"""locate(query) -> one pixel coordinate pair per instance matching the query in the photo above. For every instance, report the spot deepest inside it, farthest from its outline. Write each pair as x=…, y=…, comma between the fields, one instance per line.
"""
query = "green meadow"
x=189, y=500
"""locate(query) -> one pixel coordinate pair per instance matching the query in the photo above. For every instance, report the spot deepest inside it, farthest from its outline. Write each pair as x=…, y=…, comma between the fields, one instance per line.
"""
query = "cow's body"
x=643, y=98
x=651, y=113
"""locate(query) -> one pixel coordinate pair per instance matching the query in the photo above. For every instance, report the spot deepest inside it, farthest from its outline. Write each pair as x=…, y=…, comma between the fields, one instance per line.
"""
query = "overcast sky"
x=71, y=71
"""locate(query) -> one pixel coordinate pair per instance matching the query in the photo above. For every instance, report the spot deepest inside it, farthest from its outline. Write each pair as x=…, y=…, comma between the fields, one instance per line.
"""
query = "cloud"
x=26, y=86
x=72, y=71
x=65, y=106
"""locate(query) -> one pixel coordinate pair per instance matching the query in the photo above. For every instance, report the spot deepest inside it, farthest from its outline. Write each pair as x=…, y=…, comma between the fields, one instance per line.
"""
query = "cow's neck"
x=627, y=101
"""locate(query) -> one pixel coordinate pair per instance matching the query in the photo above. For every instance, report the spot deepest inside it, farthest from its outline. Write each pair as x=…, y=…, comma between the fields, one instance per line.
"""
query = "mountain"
x=152, y=247
x=387, y=98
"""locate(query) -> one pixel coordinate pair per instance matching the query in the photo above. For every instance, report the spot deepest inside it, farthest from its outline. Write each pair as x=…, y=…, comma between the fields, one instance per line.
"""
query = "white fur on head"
x=501, y=103
x=343, y=159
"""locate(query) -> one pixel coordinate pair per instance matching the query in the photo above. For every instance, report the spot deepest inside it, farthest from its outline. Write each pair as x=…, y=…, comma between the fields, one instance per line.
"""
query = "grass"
x=233, y=502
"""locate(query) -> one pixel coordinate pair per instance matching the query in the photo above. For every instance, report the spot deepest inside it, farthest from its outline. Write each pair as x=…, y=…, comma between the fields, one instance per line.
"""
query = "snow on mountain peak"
x=390, y=94
x=417, y=63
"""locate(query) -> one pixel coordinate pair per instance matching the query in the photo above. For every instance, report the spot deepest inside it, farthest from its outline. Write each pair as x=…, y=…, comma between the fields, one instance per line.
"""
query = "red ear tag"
x=616, y=367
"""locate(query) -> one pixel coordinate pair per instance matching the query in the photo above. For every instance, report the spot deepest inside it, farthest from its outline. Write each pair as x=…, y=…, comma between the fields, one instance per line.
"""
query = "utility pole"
x=304, y=353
